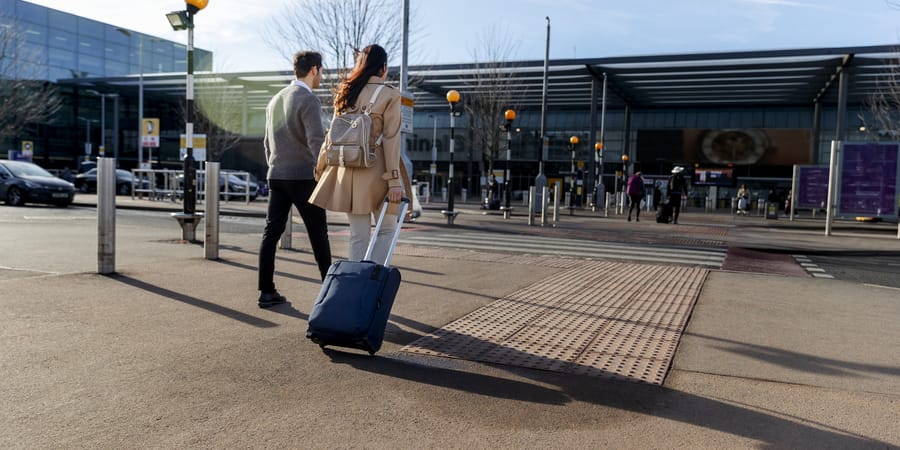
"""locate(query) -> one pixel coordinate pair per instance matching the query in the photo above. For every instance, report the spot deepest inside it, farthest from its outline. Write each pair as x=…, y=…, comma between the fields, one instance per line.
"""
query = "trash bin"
x=772, y=210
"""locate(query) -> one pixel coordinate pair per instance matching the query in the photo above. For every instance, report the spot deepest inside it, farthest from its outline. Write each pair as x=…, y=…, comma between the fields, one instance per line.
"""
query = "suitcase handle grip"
x=404, y=206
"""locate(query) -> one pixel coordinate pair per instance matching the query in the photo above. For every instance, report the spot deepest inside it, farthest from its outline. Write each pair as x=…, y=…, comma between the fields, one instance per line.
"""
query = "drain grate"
x=604, y=319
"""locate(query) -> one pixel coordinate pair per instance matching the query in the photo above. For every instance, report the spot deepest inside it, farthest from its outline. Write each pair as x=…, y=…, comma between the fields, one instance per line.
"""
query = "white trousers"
x=361, y=229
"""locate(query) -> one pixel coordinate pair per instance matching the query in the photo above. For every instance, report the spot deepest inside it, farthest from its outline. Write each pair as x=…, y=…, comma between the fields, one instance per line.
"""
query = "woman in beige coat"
x=361, y=191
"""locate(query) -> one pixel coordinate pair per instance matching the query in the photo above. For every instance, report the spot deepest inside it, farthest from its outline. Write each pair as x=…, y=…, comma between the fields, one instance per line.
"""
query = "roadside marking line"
x=28, y=270
x=815, y=269
x=881, y=286
x=822, y=275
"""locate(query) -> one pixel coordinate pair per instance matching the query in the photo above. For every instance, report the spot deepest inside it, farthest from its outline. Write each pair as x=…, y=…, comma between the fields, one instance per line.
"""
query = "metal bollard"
x=211, y=206
x=606, y=202
x=556, y=193
x=106, y=215
x=543, y=200
x=531, y=206
x=285, y=241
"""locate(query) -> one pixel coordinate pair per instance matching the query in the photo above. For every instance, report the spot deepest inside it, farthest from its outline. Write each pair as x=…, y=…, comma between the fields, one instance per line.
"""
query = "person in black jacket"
x=677, y=189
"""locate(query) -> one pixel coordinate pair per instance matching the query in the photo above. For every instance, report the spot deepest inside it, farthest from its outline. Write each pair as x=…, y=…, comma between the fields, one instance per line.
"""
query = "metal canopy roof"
x=733, y=79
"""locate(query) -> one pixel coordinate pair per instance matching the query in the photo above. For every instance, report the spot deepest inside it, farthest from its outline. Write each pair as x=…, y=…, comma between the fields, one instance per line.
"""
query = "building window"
x=63, y=40
x=32, y=13
x=90, y=46
x=88, y=27
x=62, y=58
x=61, y=20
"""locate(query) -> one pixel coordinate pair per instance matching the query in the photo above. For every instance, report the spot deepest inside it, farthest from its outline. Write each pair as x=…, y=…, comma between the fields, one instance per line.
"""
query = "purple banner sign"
x=869, y=180
x=812, y=186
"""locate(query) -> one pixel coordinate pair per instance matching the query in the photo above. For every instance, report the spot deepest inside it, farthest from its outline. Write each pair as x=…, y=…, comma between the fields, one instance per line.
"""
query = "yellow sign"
x=199, y=141
x=27, y=146
x=150, y=133
x=199, y=147
x=407, y=106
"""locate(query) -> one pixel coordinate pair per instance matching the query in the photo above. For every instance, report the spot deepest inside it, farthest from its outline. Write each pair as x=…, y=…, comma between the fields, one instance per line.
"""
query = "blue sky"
x=450, y=31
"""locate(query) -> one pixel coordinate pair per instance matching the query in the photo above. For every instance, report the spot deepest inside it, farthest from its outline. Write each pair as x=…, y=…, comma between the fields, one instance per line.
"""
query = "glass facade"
x=58, y=45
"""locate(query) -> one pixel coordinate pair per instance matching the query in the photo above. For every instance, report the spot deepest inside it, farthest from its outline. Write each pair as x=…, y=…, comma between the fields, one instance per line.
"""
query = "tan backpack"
x=347, y=142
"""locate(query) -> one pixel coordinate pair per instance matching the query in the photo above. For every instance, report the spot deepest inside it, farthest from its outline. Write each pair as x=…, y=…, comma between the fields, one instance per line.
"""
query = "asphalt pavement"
x=172, y=351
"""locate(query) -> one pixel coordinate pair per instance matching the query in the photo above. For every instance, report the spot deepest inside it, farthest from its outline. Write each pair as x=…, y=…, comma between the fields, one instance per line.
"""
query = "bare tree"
x=492, y=93
x=25, y=99
x=336, y=27
x=219, y=115
x=884, y=103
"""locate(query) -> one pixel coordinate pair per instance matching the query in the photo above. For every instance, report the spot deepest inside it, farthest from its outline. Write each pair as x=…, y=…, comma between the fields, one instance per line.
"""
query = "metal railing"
x=167, y=184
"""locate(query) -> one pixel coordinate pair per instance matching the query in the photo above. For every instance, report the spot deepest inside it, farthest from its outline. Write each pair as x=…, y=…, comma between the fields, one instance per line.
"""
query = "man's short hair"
x=306, y=60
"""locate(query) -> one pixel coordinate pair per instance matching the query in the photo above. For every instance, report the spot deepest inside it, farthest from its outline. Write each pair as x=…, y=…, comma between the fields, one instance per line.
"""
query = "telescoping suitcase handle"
x=404, y=206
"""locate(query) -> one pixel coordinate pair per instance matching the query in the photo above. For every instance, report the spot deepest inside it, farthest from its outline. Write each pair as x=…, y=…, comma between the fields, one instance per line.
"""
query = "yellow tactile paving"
x=597, y=318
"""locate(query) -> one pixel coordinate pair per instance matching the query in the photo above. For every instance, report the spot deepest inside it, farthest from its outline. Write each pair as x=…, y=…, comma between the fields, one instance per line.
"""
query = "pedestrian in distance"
x=677, y=189
x=635, y=190
x=361, y=191
x=294, y=136
x=743, y=195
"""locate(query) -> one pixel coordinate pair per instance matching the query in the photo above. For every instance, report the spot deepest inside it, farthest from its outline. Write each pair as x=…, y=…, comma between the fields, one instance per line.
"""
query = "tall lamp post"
x=573, y=141
x=140, y=124
x=452, y=99
x=509, y=115
x=102, y=148
x=87, y=137
x=433, y=168
x=184, y=20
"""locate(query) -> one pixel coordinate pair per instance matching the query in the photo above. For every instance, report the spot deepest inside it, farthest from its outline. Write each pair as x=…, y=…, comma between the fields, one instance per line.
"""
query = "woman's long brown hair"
x=369, y=63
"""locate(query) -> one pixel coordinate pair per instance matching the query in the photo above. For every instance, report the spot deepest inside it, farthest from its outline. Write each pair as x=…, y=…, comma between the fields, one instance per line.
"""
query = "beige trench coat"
x=362, y=190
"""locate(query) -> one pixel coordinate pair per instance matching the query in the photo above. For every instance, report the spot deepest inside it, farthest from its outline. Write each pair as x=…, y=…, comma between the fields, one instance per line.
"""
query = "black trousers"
x=283, y=194
x=635, y=204
x=675, y=201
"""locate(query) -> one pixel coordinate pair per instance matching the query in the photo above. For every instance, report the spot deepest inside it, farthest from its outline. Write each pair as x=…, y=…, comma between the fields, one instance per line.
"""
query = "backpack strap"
x=368, y=108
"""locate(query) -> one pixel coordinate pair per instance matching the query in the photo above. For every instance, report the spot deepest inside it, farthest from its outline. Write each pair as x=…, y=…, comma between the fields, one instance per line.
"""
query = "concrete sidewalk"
x=173, y=352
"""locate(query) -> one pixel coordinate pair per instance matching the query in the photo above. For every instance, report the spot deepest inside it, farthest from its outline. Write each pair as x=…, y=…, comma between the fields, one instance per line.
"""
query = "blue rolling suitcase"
x=355, y=301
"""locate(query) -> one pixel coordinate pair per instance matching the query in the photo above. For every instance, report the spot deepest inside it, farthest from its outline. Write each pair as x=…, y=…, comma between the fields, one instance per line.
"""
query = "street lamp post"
x=184, y=20
x=573, y=141
x=452, y=99
x=87, y=137
x=433, y=168
x=102, y=148
x=509, y=115
x=140, y=124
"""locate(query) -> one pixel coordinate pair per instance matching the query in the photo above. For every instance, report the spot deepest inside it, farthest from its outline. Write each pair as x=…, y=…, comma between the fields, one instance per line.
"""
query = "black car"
x=87, y=182
x=24, y=182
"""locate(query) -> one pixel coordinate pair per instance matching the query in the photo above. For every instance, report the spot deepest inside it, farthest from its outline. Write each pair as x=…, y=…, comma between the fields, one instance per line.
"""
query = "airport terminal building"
x=729, y=117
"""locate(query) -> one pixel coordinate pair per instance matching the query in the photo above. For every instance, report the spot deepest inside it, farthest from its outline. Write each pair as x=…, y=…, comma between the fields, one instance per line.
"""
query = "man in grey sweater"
x=294, y=135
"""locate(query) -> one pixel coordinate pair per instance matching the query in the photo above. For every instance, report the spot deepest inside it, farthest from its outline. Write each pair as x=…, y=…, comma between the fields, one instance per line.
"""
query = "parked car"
x=87, y=182
x=237, y=184
x=24, y=182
